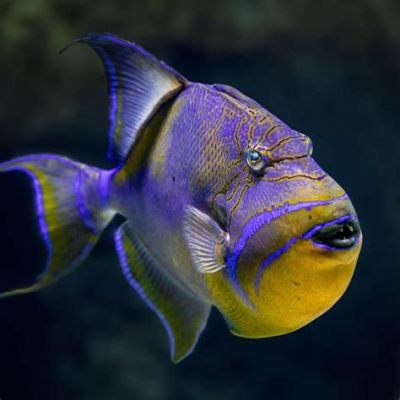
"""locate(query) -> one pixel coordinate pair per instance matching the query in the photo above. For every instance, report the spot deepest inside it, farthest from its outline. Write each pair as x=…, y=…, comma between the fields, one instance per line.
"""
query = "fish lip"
x=339, y=234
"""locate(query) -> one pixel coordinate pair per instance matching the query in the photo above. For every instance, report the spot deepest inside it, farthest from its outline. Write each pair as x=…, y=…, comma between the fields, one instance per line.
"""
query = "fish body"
x=224, y=205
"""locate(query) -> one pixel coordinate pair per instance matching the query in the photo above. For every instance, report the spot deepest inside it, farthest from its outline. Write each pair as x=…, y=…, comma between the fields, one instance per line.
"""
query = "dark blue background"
x=329, y=70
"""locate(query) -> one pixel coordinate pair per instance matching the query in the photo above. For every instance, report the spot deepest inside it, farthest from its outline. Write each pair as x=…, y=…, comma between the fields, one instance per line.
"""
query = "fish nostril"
x=341, y=235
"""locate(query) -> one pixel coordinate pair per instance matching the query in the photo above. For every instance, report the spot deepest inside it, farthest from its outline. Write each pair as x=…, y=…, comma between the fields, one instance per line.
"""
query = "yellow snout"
x=298, y=285
x=297, y=288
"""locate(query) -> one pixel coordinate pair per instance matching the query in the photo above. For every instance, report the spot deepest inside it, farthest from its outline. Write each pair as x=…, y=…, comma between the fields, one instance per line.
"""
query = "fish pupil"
x=255, y=161
x=254, y=156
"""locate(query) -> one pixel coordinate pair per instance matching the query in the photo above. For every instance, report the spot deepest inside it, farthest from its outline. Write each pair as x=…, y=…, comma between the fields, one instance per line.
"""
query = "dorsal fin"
x=138, y=83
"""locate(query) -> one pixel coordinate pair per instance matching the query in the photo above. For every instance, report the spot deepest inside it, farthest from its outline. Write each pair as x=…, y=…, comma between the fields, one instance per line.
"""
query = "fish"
x=224, y=205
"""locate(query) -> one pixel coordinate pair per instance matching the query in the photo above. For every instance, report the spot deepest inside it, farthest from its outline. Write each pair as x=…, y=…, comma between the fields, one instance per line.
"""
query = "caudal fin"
x=71, y=209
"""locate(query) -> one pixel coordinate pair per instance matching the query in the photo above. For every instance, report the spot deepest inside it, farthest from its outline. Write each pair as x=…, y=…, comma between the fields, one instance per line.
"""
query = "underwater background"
x=329, y=69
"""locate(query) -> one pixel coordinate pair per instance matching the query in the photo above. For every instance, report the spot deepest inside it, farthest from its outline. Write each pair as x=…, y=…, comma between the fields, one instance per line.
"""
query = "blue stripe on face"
x=310, y=233
x=231, y=273
x=259, y=220
x=253, y=225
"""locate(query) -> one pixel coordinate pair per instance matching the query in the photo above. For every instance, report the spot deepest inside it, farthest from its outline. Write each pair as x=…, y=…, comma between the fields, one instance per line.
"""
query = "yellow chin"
x=294, y=290
x=297, y=288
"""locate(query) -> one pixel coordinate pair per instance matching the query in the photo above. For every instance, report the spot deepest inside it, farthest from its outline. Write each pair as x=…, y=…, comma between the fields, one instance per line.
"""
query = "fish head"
x=294, y=237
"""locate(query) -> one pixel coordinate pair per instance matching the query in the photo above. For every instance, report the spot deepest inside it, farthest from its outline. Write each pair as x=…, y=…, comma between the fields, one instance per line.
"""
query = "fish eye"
x=256, y=161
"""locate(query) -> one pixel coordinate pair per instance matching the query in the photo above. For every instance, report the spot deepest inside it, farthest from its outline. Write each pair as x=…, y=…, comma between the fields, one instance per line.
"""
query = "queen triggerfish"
x=223, y=203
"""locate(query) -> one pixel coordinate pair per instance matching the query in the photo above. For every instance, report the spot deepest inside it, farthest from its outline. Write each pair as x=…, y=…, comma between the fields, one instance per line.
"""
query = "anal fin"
x=183, y=315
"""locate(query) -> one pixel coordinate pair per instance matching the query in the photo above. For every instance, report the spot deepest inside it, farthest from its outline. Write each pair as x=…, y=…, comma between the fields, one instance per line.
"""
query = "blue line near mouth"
x=307, y=235
x=256, y=222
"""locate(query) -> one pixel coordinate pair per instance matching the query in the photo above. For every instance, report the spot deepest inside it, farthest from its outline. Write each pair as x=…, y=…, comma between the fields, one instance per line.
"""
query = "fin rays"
x=183, y=316
x=138, y=84
x=63, y=228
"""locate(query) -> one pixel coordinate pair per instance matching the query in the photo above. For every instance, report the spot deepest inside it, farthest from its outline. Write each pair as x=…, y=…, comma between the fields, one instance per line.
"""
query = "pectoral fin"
x=206, y=240
x=183, y=315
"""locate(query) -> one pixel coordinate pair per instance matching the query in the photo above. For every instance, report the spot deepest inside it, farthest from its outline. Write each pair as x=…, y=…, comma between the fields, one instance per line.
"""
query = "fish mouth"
x=339, y=234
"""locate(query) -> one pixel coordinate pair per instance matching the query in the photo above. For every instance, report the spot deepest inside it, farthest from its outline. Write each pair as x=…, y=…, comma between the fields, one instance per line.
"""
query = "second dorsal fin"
x=138, y=83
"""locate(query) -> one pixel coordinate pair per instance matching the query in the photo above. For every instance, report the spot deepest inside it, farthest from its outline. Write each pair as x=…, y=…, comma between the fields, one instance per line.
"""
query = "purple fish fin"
x=138, y=83
x=206, y=240
x=70, y=216
x=183, y=315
